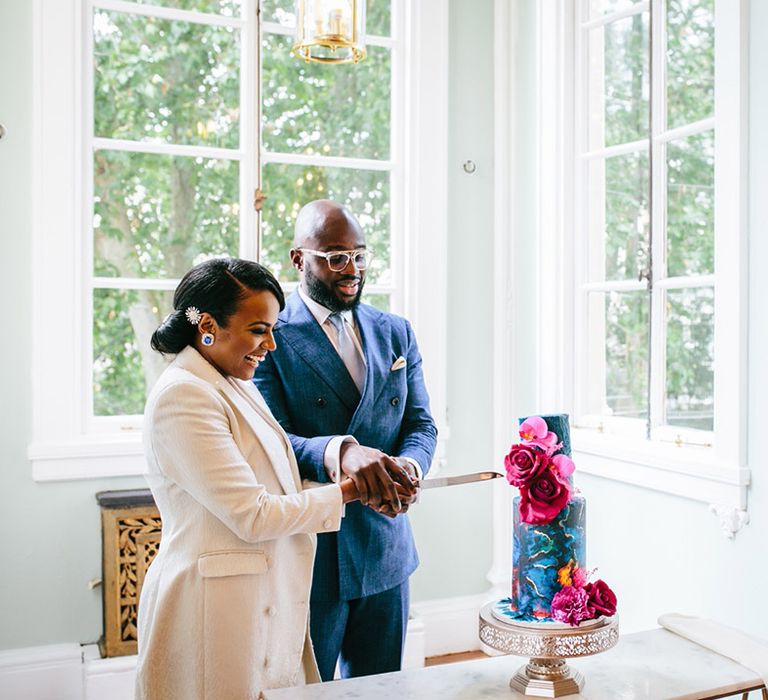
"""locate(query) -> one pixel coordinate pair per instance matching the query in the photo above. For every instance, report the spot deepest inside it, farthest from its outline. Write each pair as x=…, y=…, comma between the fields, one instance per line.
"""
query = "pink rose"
x=523, y=464
x=601, y=598
x=543, y=498
x=571, y=605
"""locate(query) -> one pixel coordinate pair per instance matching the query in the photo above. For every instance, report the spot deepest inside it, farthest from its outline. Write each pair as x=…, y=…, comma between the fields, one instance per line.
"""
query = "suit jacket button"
x=271, y=611
x=395, y=401
x=321, y=402
x=327, y=523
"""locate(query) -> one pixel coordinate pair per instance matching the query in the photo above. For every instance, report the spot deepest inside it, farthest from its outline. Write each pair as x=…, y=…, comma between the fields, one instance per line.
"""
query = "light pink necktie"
x=347, y=351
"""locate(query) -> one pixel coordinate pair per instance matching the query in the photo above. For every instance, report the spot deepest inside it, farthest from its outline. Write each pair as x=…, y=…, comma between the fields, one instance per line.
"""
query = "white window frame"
x=716, y=472
x=109, y=425
x=65, y=444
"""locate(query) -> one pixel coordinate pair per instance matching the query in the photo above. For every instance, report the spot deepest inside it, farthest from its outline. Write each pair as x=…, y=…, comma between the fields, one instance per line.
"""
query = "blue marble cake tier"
x=540, y=551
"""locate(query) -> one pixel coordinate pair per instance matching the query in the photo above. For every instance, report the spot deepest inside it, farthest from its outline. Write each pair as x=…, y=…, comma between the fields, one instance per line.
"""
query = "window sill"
x=87, y=458
x=689, y=472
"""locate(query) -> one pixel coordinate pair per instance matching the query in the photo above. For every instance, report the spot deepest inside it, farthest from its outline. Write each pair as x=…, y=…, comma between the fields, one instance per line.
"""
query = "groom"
x=346, y=383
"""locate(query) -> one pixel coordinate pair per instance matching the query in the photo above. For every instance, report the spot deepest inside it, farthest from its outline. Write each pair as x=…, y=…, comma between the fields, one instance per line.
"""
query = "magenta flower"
x=534, y=431
x=543, y=498
x=601, y=598
x=523, y=464
x=580, y=577
x=571, y=605
x=564, y=465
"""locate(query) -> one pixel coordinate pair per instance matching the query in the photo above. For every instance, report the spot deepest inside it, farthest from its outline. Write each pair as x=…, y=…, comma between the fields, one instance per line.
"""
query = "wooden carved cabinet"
x=130, y=532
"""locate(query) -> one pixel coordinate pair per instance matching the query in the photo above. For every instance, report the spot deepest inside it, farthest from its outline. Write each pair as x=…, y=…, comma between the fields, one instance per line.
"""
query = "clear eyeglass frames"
x=339, y=259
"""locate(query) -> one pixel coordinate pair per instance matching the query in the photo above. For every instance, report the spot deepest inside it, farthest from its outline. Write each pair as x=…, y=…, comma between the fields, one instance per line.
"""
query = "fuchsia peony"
x=602, y=599
x=523, y=464
x=578, y=600
x=571, y=605
x=543, y=498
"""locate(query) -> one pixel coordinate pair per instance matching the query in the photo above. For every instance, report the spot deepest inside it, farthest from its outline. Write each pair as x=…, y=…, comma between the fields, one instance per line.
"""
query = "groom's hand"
x=375, y=475
x=405, y=502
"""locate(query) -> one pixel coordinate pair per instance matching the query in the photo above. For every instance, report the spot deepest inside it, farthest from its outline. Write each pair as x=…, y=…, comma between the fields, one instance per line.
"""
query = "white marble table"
x=654, y=665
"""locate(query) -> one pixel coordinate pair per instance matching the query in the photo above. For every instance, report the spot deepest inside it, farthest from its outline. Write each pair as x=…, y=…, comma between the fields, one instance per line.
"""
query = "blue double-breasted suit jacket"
x=314, y=398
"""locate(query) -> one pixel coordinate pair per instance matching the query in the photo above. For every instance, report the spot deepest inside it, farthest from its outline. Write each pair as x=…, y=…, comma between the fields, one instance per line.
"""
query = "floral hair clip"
x=193, y=315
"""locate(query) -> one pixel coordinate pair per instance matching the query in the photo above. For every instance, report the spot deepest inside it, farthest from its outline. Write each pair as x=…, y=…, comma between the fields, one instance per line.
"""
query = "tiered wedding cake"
x=550, y=581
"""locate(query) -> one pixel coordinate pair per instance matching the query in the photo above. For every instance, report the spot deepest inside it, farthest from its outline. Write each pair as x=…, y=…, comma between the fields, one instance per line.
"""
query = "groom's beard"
x=323, y=294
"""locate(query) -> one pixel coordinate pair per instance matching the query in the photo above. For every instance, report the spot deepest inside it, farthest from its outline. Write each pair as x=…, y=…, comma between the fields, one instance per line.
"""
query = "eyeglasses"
x=338, y=259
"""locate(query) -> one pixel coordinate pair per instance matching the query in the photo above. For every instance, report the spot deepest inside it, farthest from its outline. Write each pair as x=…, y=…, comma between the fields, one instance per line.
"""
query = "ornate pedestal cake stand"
x=547, y=674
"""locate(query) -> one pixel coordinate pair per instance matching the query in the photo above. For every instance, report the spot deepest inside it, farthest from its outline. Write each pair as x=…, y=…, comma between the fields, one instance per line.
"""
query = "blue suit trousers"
x=366, y=635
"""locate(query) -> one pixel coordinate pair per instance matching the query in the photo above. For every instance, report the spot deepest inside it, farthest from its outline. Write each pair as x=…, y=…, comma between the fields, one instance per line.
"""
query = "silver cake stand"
x=547, y=675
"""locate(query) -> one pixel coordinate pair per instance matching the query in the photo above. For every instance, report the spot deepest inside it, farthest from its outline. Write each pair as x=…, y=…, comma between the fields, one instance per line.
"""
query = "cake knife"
x=440, y=481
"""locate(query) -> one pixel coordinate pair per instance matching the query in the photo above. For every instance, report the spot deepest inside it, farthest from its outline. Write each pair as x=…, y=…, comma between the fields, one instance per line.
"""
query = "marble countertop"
x=653, y=665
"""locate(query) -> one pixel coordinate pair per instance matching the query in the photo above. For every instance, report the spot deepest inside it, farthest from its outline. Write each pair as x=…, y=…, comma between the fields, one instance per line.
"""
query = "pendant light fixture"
x=330, y=31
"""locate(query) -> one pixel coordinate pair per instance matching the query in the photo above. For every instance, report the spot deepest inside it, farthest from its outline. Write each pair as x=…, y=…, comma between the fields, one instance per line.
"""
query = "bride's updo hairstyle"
x=216, y=287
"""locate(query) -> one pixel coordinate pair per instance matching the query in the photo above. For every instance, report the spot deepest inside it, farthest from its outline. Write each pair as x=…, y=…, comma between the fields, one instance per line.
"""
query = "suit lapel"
x=376, y=337
x=303, y=333
x=266, y=429
x=240, y=393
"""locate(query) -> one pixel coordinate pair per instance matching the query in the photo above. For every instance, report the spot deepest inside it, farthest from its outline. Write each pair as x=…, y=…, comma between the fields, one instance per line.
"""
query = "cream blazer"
x=224, y=606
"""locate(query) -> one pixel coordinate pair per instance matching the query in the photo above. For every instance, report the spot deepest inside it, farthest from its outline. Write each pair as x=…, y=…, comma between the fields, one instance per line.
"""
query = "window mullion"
x=325, y=161
x=400, y=257
x=167, y=13
x=657, y=334
x=250, y=131
x=583, y=387
x=85, y=241
x=166, y=149
x=731, y=186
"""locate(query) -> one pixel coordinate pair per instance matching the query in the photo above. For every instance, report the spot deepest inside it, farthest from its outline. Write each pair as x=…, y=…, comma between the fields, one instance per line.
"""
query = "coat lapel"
x=254, y=412
x=310, y=342
x=239, y=391
x=376, y=337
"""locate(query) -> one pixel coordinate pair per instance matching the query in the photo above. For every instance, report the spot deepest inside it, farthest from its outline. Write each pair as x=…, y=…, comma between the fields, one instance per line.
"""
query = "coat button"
x=271, y=611
x=394, y=401
x=320, y=401
x=327, y=524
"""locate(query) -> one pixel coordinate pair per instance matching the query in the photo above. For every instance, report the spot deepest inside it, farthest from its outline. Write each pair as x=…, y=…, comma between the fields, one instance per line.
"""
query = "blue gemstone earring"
x=207, y=339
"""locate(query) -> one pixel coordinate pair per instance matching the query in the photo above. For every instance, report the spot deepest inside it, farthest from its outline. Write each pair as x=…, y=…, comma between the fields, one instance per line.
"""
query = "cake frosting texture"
x=539, y=552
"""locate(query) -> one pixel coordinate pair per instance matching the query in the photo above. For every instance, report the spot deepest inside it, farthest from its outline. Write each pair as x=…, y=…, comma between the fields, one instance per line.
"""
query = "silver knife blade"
x=440, y=481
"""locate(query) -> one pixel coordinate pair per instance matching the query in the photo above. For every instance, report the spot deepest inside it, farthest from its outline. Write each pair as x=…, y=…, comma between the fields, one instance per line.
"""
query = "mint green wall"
x=49, y=533
x=452, y=526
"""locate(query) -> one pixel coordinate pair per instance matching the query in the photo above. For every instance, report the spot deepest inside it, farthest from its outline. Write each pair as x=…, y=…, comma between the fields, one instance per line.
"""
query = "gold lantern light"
x=330, y=31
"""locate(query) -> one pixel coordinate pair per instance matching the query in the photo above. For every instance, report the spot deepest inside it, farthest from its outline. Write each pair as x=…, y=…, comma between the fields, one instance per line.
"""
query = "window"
x=334, y=134
x=167, y=176
x=159, y=123
x=655, y=124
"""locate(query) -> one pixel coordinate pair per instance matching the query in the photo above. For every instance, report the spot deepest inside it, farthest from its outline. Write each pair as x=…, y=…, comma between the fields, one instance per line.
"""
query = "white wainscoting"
x=76, y=672
x=42, y=673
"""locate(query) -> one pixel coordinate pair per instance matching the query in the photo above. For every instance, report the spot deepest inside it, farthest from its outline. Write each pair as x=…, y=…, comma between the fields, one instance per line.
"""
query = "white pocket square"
x=399, y=363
